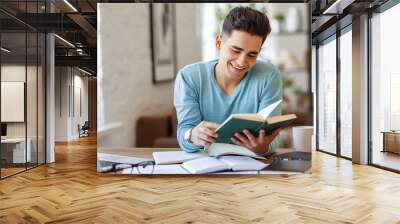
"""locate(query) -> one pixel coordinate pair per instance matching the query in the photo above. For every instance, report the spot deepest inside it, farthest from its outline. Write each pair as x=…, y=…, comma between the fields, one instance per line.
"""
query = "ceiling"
x=75, y=21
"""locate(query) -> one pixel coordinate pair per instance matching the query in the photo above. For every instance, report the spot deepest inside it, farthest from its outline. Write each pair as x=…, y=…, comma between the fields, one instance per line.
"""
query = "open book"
x=224, y=163
x=253, y=122
x=215, y=150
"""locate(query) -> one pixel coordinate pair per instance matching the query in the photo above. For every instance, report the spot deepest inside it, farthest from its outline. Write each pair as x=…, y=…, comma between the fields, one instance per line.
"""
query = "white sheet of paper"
x=268, y=110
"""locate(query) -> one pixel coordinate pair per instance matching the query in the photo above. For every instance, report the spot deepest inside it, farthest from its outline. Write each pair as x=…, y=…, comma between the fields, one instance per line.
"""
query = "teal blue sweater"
x=197, y=97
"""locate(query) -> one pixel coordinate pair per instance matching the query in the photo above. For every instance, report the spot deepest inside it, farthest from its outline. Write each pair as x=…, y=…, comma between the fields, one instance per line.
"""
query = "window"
x=22, y=77
x=385, y=87
x=327, y=96
x=346, y=94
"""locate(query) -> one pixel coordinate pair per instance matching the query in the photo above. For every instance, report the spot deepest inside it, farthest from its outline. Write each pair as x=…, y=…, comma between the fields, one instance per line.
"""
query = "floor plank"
x=70, y=191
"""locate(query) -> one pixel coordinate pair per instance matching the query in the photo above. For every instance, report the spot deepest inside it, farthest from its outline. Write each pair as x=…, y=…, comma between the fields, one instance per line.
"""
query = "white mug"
x=302, y=138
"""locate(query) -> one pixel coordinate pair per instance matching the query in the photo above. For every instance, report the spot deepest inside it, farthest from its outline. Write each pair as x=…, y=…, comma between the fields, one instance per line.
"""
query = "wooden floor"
x=70, y=191
x=10, y=171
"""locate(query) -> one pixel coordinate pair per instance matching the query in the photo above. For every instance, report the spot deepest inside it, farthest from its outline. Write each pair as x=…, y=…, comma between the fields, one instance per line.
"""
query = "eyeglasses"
x=145, y=167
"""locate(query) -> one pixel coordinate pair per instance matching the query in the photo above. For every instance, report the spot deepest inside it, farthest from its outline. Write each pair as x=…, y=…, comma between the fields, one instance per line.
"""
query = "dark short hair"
x=248, y=20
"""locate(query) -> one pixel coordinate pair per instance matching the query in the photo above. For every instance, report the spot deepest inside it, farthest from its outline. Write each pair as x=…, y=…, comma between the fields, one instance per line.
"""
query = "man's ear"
x=218, y=41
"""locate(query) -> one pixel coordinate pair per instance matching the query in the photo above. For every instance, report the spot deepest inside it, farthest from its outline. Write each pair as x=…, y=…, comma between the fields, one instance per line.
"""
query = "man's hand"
x=256, y=144
x=204, y=133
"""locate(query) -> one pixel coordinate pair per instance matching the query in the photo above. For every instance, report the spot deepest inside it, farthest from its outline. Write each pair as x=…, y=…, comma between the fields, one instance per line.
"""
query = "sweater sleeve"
x=186, y=102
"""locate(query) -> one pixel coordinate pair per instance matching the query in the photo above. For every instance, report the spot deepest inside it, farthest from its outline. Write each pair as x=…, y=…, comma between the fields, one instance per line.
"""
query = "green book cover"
x=237, y=124
x=253, y=122
x=283, y=121
x=228, y=129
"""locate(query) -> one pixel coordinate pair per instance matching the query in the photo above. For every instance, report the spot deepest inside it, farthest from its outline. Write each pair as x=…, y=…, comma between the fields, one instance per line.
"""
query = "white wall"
x=79, y=117
x=34, y=124
x=188, y=23
x=125, y=88
x=61, y=103
x=296, y=44
x=68, y=80
x=17, y=73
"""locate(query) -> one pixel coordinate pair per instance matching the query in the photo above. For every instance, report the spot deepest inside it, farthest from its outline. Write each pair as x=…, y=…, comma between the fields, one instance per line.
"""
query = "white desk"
x=18, y=149
x=135, y=155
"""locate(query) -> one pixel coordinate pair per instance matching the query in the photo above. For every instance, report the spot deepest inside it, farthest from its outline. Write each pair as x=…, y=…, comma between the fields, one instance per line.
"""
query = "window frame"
x=341, y=29
x=378, y=10
x=27, y=29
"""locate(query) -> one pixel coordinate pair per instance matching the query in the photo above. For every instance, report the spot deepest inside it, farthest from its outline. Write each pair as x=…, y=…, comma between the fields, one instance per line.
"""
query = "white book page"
x=172, y=157
x=276, y=119
x=242, y=163
x=220, y=149
x=205, y=165
x=268, y=110
x=251, y=117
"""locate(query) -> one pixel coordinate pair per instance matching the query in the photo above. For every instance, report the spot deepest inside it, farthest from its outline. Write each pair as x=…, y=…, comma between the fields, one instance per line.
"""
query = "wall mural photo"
x=218, y=91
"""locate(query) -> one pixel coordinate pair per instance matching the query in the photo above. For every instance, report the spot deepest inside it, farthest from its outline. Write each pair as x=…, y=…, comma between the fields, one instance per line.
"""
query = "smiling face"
x=238, y=54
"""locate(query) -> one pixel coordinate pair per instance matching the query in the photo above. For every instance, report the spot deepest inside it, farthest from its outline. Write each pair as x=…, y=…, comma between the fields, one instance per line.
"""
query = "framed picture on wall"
x=163, y=41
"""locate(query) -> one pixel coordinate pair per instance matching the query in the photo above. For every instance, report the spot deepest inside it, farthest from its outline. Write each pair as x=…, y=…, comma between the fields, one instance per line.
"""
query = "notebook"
x=215, y=150
x=223, y=163
x=175, y=157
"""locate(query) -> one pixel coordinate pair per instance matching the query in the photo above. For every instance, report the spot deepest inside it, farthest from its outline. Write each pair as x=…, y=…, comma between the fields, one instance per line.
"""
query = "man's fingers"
x=211, y=125
x=240, y=137
x=234, y=140
x=249, y=135
x=276, y=132
x=273, y=135
x=204, y=133
x=207, y=138
x=261, y=135
x=204, y=143
x=209, y=132
x=243, y=139
x=252, y=140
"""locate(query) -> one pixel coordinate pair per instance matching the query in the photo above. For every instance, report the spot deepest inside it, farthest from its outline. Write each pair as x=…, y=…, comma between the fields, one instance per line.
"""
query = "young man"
x=207, y=93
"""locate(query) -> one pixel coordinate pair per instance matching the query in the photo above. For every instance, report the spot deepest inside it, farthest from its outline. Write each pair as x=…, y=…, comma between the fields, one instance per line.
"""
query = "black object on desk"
x=291, y=161
x=306, y=156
